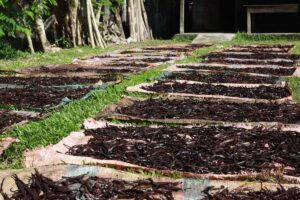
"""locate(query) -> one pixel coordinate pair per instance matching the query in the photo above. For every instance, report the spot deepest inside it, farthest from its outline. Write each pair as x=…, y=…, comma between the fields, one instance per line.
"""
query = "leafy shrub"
x=8, y=52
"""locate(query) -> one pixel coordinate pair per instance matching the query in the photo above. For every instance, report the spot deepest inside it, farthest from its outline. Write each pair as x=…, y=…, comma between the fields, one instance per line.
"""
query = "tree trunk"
x=96, y=28
x=42, y=34
x=89, y=23
x=138, y=21
x=73, y=19
x=119, y=22
x=30, y=44
x=98, y=15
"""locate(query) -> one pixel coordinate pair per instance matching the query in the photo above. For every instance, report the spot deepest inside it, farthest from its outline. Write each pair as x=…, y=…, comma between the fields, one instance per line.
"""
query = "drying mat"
x=191, y=188
x=111, y=112
x=14, y=118
x=56, y=154
x=205, y=67
x=139, y=88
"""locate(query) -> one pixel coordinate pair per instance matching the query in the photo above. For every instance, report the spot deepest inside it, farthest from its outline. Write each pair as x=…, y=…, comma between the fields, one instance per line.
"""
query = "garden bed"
x=224, y=77
x=40, y=97
x=11, y=118
x=278, y=71
x=260, y=92
x=210, y=150
x=193, y=111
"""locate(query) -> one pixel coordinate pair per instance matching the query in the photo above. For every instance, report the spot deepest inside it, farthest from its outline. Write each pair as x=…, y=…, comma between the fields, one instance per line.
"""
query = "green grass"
x=294, y=84
x=70, y=118
x=66, y=56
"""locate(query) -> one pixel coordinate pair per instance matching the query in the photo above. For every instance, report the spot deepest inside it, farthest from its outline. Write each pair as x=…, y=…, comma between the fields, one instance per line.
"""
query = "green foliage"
x=111, y=4
x=64, y=43
x=9, y=24
x=41, y=7
x=18, y=16
x=8, y=52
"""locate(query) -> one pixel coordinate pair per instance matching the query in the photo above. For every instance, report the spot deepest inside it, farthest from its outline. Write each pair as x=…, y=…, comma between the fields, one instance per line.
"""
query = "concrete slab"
x=213, y=37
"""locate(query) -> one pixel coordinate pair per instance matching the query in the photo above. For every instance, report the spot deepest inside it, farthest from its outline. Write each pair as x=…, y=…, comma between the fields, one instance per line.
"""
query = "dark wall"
x=206, y=15
x=217, y=16
x=257, y=2
x=272, y=22
x=163, y=17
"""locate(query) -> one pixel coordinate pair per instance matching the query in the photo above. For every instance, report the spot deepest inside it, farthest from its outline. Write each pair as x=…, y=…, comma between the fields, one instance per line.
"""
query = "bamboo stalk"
x=101, y=42
x=88, y=15
x=145, y=16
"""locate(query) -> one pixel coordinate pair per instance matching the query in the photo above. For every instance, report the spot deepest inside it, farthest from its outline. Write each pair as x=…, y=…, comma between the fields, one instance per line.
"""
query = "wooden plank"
x=284, y=8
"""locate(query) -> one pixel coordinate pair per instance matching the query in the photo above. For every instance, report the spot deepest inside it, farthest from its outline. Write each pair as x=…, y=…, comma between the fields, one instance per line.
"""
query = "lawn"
x=70, y=118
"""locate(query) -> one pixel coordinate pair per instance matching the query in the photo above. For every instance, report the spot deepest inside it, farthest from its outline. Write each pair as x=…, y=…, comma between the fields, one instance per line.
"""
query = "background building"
x=227, y=16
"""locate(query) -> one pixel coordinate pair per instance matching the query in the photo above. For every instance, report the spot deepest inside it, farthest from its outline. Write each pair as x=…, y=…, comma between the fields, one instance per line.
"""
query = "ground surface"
x=70, y=118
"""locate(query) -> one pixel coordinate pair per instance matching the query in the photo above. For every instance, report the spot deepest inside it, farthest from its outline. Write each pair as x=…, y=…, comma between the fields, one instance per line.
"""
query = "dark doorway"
x=276, y=23
x=210, y=16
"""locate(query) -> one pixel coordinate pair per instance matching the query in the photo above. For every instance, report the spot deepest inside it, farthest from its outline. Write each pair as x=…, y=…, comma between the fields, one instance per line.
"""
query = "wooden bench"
x=280, y=8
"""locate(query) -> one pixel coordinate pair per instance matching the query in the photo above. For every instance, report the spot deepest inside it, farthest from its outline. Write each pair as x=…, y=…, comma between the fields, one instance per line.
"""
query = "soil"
x=282, y=63
x=260, y=56
x=281, y=193
x=9, y=119
x=90, y=187
x=53, y=81
x=216, y=150
x=222, y=77
x=258, y=70
x=39, y=97
x=209, y=110
x=262, y=92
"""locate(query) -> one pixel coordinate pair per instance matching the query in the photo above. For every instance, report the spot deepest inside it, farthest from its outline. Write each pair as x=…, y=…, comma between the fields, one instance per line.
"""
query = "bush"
x=8, y=52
